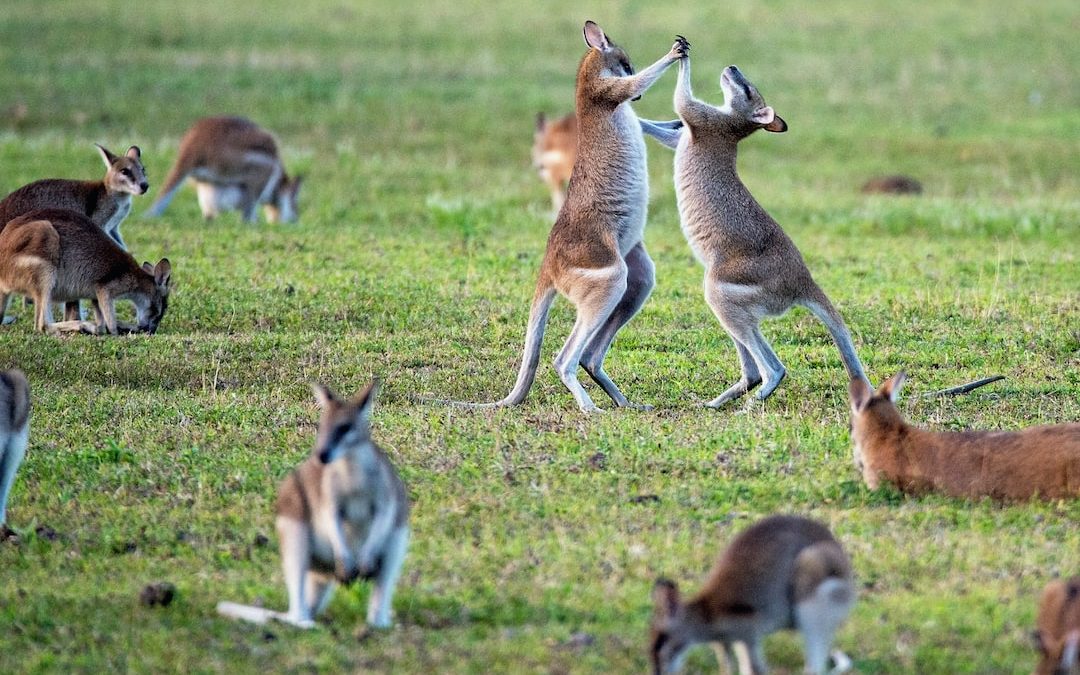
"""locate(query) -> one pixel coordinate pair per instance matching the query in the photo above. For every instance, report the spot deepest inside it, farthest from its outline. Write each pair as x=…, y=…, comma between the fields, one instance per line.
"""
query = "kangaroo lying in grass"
x=782, y=572
x=1035, y=462
x=1058, y=634
x=342, y=515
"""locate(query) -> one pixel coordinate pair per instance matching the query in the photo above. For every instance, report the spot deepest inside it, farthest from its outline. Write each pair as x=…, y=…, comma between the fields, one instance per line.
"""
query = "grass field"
x=535, y=542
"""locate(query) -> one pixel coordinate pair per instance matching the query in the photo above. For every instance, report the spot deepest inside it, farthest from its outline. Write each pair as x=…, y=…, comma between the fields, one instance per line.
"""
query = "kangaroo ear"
x=595, y=38
x=764, y=115
x=163, y=273
x=134, y=153
x=891, y=387
x=777, y=126
x=106, y=156
x=860, y=394
x=324, y=395
x=365, y=401
x=148, y=267
x=665, y=597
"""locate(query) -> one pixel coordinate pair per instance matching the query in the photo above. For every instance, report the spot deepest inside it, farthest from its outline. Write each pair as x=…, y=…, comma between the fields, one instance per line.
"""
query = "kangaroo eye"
x=126, y=173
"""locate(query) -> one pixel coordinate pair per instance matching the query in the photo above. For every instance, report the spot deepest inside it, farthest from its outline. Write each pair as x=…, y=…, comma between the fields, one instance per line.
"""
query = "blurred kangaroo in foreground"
x=752, y=268
x=341, y=515
x=1057, y=636
x=595, y=255
x=56, y=255
x=235, y=166
x=106, y=202
x=782, y=572
x=14, y=433
x=1034, y=462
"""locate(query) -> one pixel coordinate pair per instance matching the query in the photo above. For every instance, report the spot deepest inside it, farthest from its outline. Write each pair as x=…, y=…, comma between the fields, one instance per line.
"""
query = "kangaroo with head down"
x=1039, y=461
x=1058, y=634
x=752, y=268
x=595, y=255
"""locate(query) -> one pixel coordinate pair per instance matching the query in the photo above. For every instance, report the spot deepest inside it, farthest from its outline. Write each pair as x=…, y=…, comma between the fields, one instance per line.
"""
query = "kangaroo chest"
x=111, y=212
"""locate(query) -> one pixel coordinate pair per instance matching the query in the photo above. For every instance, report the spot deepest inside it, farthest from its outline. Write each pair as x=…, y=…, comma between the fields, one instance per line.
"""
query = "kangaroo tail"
x=530, y=358
x=827, y=314
x=965, y=388
x=172, y=183
x=257, y=615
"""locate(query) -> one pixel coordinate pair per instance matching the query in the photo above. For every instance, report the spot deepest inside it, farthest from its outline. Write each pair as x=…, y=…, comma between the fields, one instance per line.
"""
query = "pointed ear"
x=665, y=597
x=764, y=115
x=163, y=273
x=777, y=126
x=595, y=38
x=324, y=395
x=365, y=401
x=134, y=153
x=106, y=156
x=891, y=387
x=860, y=394
x=148, y=267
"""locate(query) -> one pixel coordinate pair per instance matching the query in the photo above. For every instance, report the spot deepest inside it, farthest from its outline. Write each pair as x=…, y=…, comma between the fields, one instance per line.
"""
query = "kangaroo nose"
x=144, y=186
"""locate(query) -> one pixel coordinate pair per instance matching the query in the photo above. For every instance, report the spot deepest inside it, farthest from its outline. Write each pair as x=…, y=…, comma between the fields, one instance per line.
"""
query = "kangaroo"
x=1009, y=465
x=56, y=255
x=235, y=166
x=1058, y=634
x=341, y=515
x=106, y=202
x=595, y=255
x=553, y=153
x=783, y=572
x=752, y=268
x=14, y=433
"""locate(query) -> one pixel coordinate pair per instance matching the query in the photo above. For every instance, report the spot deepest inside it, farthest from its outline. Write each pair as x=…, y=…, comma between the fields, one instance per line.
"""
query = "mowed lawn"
x=537, y=531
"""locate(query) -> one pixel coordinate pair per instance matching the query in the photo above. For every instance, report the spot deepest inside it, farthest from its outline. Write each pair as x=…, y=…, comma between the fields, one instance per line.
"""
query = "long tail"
x=257, y=615
x=173, y=181
x=827, y=314
x=530, y=358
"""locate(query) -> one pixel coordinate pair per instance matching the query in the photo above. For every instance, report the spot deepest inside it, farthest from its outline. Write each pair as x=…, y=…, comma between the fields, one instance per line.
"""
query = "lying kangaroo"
x=1035, y=462
x=341, y=515
x=56, y=255
x=595, y=255
x=782, y=572
x=235, y=165
x=1058, y=634
x=553, y=153
x=14, y=433
x=752, y=268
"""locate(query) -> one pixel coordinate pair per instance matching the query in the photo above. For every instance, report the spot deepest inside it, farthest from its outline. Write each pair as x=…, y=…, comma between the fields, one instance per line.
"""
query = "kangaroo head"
x=745, y=106
x=605, y=57
x=344, y=426
x=124, y=174
x=283, y=207
x=150, y=305
x=1058, y=634
x=871, y=413
x=669, y=638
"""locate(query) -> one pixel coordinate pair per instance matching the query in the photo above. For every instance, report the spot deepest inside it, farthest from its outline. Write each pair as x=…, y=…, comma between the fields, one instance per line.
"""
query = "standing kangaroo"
x=1038, y=461
x=752, y=268
x=1058, y=634
x=595, y=255
x=782, y=572
x=235, y=165
x=56, y=255
x=341, y=515
x=14, y=433
x=553, y=153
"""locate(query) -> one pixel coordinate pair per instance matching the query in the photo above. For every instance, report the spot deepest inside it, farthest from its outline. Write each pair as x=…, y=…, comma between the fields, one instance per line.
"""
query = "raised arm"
x=692, y=111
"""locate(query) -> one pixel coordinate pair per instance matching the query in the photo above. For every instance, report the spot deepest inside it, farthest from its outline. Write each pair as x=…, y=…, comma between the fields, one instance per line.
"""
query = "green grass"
x=421, y=232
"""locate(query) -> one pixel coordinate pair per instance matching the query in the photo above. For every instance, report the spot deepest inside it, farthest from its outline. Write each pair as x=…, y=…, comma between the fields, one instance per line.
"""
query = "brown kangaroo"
x=1058, y=634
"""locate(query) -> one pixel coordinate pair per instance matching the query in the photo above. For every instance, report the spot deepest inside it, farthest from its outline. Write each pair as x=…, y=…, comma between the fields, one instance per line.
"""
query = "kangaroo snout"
x=144, y=186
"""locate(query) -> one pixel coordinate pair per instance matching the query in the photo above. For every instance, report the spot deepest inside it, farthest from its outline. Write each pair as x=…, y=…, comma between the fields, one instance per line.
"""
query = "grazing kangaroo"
x=56, y=255
x=595, y=255
x=1014, y=465
x=1058, y=634
x=14, y=433
x=341, y=515
x=782, y=572
x=235, y=166
x=752, y=268
x=553, y=153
